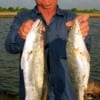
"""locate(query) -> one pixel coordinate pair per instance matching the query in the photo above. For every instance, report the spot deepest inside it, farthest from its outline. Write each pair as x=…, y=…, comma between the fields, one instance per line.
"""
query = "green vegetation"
x=11, y=9
x=85, y=10
x=17, y=9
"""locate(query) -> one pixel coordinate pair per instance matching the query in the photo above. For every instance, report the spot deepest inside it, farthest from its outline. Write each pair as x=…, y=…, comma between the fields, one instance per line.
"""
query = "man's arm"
x=14, y=43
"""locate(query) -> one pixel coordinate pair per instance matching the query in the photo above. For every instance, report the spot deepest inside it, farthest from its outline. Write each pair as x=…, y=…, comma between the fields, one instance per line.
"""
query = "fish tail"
x=81, y=94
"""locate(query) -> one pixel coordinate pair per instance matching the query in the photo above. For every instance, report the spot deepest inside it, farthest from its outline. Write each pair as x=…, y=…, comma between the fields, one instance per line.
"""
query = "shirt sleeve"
x=88, y=42
x=14, y=43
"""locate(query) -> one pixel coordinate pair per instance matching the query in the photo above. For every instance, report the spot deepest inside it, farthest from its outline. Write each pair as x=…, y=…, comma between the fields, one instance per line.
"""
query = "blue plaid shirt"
x=60, y=86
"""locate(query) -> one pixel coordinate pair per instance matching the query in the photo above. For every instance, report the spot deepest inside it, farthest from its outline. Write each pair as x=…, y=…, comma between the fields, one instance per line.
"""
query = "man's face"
x=47, y=3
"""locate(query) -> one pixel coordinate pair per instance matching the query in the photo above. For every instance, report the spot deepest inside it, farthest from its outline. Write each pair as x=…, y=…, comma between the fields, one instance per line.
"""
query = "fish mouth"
x=38, y=23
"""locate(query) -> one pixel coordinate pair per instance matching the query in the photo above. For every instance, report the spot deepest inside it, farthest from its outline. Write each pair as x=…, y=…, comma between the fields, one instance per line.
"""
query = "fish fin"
x=81, y=94
x=86, y=53
x=75, y=51
x=84, y=77
x=87, y=56
x=22, y=63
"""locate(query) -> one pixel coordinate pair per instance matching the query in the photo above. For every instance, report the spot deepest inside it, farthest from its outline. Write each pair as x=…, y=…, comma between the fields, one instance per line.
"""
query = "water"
x=9, y=77
x=95, y=49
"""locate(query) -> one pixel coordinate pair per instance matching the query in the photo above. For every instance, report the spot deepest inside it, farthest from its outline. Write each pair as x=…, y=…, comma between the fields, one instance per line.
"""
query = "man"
x=57, y=23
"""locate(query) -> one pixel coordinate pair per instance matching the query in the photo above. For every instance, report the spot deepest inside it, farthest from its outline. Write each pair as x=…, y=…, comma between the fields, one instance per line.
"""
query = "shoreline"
x=92, y=15
x=7, y=14
x=12, y=14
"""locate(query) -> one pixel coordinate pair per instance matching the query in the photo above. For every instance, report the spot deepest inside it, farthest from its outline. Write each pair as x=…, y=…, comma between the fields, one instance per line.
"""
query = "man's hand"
x=84, y=25
x=25, y=28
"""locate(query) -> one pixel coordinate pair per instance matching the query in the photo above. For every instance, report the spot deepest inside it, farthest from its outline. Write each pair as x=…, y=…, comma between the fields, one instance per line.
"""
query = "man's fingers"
x=29, y=22
x=82, y=18
x=84, y=25
x=85, y=31
x=25, y=28
x=69, y=24
x=83, y=22
x=43, y=29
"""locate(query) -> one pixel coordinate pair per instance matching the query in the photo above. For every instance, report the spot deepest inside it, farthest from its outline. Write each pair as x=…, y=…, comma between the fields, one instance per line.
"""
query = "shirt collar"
x=59, y=11
x=35, y=10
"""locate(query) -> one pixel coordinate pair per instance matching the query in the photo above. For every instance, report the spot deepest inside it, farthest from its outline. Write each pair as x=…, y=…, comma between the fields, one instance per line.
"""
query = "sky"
x=65, y=4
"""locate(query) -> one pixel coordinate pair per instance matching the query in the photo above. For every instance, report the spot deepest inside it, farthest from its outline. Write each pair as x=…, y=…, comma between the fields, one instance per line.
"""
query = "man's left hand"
x=84, y=25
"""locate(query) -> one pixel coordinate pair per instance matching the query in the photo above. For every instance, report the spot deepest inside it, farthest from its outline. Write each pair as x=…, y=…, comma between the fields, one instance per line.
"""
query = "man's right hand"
x=25, y=28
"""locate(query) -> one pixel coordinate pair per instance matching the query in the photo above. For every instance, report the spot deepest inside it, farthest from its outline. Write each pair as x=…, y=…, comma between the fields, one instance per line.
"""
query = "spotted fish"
x=32, y=63
x=78, y=60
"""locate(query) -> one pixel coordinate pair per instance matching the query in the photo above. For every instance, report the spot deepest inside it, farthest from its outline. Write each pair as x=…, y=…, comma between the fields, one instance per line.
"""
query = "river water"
x=9, y=77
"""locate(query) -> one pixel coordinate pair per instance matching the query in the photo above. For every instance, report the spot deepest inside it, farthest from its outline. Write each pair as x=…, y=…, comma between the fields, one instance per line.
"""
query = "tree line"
x=12, y=9
x=86, y=10
x=18, y=9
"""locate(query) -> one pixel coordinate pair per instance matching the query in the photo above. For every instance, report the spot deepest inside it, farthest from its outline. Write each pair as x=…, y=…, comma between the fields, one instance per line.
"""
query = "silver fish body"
x=78, y=60
x=32, y=62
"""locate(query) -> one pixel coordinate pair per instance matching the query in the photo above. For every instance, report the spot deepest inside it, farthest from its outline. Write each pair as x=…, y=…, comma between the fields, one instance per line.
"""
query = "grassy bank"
x=7, y=14
x=92, y=15
x=12, y=14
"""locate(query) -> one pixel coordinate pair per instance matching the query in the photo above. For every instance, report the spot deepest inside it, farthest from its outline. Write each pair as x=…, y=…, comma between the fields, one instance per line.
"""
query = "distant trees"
x=85, y=10
x=17, y=9
x=12, y=9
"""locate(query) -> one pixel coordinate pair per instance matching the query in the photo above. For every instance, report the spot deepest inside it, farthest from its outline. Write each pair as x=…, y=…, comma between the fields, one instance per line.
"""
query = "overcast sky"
x=65, y=4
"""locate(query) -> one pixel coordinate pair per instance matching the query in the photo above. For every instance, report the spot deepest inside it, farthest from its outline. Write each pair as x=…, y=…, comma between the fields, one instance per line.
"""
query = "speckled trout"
x=32, y=63
x=78, y=60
